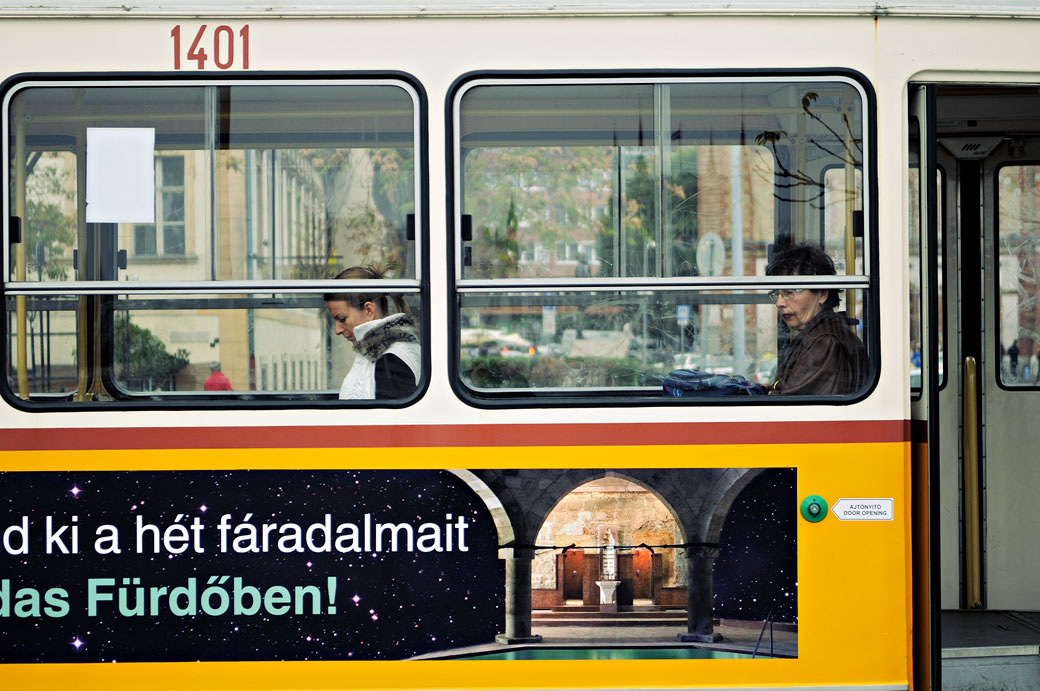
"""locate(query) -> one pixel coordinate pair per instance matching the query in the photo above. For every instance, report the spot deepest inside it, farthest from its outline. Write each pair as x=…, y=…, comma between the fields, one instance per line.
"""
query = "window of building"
x=610, y=231
x=166, y=235
x=252, y=198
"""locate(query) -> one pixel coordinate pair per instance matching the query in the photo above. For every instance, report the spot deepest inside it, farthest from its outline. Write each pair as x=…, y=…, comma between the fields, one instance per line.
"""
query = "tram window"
x=1018, y=240
x=263, y=193
x=608, y=233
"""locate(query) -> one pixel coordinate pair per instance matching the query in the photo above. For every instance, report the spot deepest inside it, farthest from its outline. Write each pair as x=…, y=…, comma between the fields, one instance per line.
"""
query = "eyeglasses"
x=774, y=295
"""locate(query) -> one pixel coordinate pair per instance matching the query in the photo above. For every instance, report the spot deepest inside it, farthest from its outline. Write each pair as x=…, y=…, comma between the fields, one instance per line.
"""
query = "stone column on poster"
x=700, y=625
x=518, y=596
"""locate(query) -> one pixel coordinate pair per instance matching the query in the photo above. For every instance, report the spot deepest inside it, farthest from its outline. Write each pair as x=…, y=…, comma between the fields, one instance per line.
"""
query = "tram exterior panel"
x=149, y=48
x=854, y=621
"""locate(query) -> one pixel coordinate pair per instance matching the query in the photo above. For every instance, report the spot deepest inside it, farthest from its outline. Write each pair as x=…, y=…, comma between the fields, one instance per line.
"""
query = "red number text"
x=220, y=43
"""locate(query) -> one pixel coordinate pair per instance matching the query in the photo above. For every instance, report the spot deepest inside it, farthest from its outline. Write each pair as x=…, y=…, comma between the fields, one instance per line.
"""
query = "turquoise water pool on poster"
x=612, y=654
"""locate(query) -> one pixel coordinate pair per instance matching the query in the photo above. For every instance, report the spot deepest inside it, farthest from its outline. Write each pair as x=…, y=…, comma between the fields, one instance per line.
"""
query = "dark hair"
x=358, y=300
x=804, y=259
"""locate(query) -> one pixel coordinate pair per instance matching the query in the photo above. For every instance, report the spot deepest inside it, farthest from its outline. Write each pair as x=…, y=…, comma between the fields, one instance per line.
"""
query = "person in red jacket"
x=216, y=381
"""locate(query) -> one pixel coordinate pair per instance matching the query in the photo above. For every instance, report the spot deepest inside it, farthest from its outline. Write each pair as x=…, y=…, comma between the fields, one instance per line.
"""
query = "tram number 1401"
x=220, y=44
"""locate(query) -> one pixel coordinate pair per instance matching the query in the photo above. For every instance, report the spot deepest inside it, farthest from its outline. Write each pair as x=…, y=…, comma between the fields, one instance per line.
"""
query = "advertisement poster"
x=264, y=565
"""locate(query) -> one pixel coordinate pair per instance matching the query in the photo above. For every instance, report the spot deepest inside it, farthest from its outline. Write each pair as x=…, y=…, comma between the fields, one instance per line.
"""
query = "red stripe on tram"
x=407, y=436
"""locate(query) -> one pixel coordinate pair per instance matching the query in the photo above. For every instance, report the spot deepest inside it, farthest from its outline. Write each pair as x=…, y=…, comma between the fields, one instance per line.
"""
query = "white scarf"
x=360, y=382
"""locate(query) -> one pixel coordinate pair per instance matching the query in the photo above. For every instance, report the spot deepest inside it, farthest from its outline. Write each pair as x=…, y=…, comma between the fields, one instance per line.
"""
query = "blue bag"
x=690, y=382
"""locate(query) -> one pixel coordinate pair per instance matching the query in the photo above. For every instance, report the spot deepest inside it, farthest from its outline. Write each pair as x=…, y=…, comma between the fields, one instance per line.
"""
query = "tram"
x=570, y=207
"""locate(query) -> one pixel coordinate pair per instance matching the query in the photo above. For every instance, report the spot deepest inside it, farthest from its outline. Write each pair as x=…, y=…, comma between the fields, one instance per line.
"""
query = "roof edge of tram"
x=486, y=8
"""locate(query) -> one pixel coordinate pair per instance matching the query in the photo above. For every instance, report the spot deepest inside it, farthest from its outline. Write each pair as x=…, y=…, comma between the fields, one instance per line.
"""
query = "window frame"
x=419, y=286
x=458, y=286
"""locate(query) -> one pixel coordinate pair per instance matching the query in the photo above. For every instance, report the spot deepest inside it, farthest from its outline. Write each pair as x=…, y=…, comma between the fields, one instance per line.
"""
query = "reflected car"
x=476, y=342
x=518, y=349
x=509, y=345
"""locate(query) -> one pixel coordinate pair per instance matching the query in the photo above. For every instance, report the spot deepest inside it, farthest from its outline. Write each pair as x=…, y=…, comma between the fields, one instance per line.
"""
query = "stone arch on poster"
x=545, y=569
x=520, y=500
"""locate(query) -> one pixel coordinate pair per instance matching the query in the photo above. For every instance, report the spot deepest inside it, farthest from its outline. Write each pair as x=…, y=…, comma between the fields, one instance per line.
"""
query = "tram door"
x=986, y=140
x=975, y=181
x=924, y=352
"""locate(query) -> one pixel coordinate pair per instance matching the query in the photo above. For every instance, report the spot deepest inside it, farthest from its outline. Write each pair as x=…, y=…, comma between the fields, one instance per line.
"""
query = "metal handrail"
x=673, y=283
x=769, y=621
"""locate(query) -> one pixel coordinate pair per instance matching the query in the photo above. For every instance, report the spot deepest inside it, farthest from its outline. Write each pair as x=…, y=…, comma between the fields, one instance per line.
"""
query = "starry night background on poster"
x=408, y=603
x=756, y=572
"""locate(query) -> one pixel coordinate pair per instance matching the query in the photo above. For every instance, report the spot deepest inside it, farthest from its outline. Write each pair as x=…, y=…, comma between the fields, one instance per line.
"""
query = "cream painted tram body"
x=573, y=200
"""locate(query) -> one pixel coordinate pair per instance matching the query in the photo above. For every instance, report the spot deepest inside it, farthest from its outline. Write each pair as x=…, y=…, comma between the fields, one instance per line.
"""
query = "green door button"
x=814, y=508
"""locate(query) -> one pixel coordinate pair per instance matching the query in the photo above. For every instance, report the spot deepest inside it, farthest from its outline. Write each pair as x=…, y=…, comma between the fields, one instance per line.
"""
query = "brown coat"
x=825, y=358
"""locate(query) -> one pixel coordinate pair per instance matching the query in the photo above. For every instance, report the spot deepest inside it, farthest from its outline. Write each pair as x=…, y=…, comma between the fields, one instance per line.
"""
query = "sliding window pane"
x=250, y=182
x=613, y=341
x=665, y=180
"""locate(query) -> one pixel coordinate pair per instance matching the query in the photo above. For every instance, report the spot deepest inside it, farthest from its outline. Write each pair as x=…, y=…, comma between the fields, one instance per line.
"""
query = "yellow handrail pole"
x=799, y=229
x=972, y=541
x=81, y=264
x=21, y=314
x=97, y=386
x=850, y=214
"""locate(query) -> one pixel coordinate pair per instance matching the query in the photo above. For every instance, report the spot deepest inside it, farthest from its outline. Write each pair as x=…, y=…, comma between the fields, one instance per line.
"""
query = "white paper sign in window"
x=120, y=175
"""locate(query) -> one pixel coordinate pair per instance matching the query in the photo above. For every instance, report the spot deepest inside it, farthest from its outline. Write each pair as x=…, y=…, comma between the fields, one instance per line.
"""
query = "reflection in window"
x=252, y=182
x=1018, y=251
x=617, y=191
x=578, y=181
x=166, y=235
x=614, y=340
x=50, y=215
x=162, y=346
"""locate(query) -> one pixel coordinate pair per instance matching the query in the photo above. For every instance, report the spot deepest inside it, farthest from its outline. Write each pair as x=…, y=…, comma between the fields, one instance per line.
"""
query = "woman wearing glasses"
x=387, y=359
x=823, y=354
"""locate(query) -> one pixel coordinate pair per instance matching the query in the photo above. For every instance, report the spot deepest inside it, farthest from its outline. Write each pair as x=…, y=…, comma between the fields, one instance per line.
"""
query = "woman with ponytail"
x=388, y=359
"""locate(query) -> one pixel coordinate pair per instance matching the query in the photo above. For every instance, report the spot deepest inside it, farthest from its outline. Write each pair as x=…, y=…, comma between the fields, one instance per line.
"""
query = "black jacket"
x=825, y=358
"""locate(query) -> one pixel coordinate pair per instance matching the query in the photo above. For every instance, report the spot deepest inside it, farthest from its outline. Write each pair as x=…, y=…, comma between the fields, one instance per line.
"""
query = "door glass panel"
x=1018, y=253
x=917, y=267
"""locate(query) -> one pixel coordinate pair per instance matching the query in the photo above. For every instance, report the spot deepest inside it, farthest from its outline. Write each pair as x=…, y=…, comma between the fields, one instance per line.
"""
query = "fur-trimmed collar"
x=383, y=333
